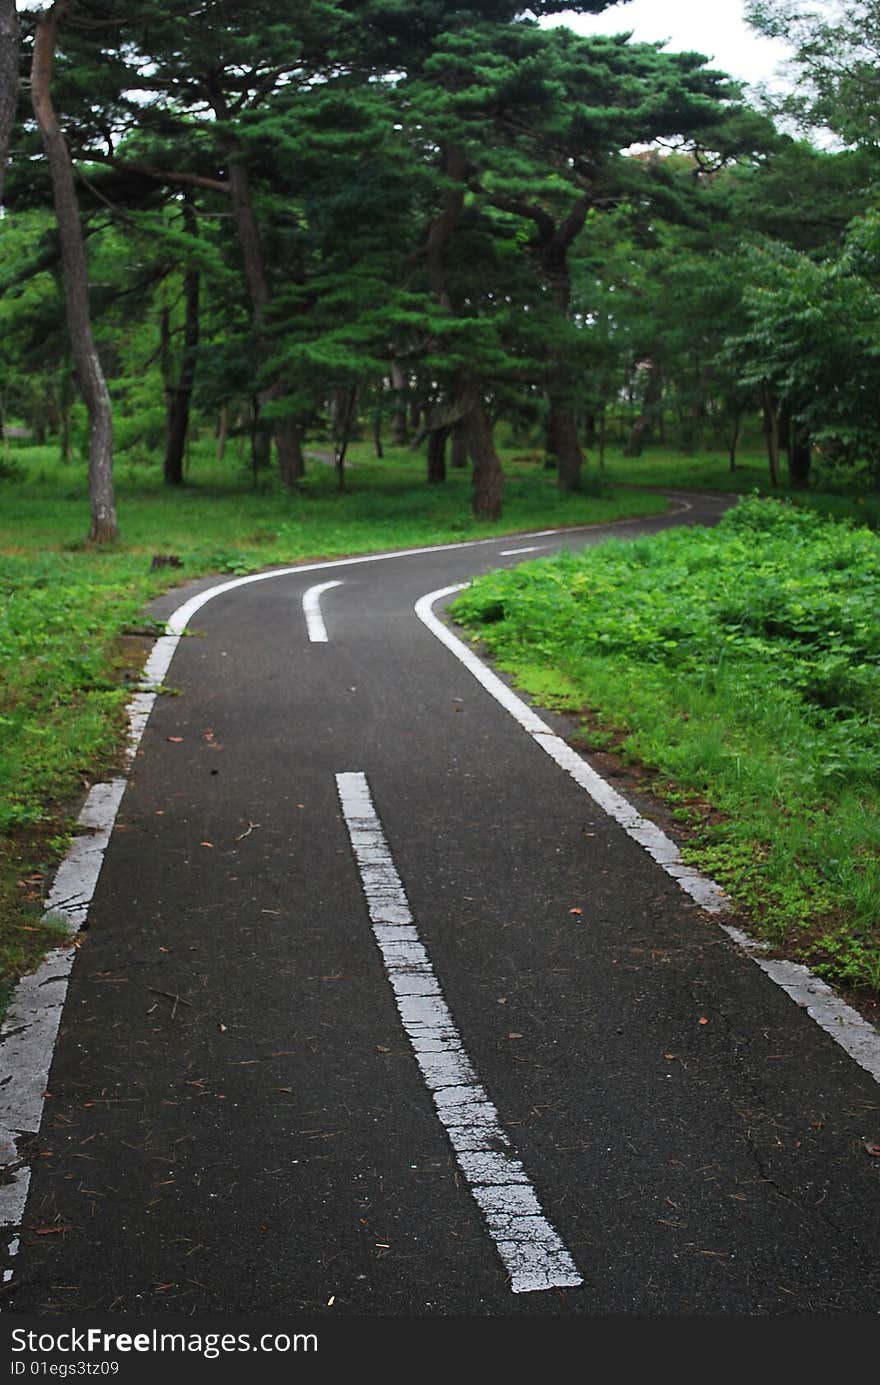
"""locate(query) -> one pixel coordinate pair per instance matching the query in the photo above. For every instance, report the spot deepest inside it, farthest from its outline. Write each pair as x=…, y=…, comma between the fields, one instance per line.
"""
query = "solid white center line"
x=531, y=1250
x=312, y=611
x=510, y=552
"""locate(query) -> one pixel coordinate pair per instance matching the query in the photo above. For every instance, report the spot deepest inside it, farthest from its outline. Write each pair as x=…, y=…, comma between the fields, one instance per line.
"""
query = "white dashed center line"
x=312, y=611
x=531, y=1250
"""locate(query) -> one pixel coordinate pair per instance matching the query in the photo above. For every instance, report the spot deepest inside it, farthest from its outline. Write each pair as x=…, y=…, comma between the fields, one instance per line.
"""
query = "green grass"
x=64, y=605
x=219, y=512
x=742, y=665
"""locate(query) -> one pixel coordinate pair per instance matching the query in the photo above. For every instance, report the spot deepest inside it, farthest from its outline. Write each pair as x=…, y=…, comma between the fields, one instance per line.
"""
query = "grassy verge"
x=742, y=665
x=64, y=607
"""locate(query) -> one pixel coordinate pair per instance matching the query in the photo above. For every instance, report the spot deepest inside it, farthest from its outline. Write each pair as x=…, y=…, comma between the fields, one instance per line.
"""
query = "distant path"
x=328, y=459
x=379, y=1014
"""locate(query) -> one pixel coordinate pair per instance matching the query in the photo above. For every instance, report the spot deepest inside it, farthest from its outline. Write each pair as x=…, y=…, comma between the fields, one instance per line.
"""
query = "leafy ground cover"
x=742, y=665
x=64, y=607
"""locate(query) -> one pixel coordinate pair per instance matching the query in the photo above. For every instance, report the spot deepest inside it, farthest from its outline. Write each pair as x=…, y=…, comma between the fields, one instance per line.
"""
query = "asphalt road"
x=238, y=1121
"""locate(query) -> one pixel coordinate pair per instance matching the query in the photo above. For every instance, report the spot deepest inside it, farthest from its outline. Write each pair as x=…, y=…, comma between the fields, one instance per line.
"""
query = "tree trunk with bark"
x=800, y=456
x=458, y=456
x=437, y=456
x=347, y=420
x=562, y=390
x=93, y=386
x=735, y=434
x=399, y=429
x=9, y=50
x=444, y=224
x=261, y=440
x=287, y=435
x=436, y=261
x=488, y=477
x=222, y=431
x=692, y=423
x=555, y=239
x=566, y=444
x=651, y=401
x=288, y=447
x=771, y=430
x=338, y=407
x=549, y=440
x=179, y=394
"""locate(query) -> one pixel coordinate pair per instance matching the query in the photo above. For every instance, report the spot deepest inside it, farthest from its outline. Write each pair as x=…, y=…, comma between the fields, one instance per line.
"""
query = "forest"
x=298, y=279
x=429, y=222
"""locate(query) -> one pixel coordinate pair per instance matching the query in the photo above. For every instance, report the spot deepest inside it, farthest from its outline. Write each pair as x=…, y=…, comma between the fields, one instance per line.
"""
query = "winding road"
x=379, y=1012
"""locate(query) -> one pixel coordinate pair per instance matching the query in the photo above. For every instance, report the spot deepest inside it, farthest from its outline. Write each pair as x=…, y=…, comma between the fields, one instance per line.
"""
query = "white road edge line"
x=311, y=604
x=844, y=1024
x=511, y=552
x=30, y=1027
x=532, y=1252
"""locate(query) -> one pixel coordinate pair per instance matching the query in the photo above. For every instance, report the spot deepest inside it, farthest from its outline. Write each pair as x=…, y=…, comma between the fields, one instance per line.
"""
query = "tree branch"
x=531, y=211
x=162, y=175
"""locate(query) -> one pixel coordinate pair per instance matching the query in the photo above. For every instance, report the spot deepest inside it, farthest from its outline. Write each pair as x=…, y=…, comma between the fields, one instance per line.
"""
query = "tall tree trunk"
x=261, y=440
x=399, y=429
x=562, y=389
x=286, y=434
x=566, y=444
x=222, y=431
x=444, y=224
x=695, y=414
x=104, y=528
x=243, y=430
x=641, y=428
x=288, y=445
x=339, y=413
x=348, y=414
x=735, y=433
x=458, y=456
x=549, y=440
x=437, y=456
x=771, y=431
x=488, y=477
x=181, y=392
x=288, y=440
x=9, y=51
x=437, y=265
x=799, y=456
